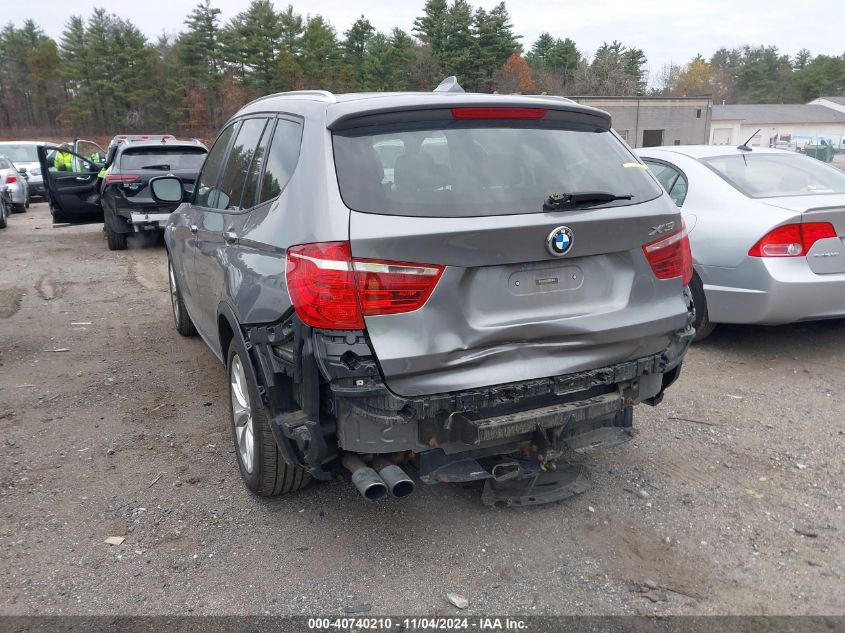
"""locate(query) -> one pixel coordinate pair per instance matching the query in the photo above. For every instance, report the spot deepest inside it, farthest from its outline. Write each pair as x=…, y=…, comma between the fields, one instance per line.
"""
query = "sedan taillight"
x=791, y=240
x=11, y=178
x=329, y=289
x=670, y=256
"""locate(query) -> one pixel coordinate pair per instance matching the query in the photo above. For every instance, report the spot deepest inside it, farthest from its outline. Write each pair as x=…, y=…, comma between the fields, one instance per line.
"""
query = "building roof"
x=836, y=100
x=752, y=114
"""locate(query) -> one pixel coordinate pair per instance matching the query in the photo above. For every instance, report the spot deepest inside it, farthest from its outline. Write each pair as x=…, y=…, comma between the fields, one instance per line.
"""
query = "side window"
x=4, y=164
x=206, y=194
x=679, y=190
x=673, y=181
x=281, y=159
x=234, y=175
x=250, y=198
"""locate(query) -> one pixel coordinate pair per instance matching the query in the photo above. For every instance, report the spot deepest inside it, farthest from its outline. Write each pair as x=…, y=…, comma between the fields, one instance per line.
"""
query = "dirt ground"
x=728, y=501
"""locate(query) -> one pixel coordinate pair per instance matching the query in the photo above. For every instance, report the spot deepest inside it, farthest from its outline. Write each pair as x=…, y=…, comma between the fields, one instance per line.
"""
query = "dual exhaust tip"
x=375, y=485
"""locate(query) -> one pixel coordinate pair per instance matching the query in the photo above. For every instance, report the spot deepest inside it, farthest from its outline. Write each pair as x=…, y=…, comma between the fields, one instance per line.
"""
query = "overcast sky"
x=667, y=30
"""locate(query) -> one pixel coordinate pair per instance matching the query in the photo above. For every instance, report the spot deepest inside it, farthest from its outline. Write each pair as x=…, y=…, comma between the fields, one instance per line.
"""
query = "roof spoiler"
x=450, y=84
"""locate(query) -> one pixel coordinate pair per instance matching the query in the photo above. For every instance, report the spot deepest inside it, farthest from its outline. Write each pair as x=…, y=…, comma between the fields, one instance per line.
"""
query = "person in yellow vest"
x=63, y=160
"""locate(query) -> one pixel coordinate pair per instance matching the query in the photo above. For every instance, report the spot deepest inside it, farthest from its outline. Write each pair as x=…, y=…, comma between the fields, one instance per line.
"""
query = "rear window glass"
x=163, y=158
x=465, y=170
x=19, y=152
x=773, y=175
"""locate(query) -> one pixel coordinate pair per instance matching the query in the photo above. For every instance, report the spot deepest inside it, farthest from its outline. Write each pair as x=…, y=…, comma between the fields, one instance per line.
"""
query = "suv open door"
x=74, y=195
x=90, y=150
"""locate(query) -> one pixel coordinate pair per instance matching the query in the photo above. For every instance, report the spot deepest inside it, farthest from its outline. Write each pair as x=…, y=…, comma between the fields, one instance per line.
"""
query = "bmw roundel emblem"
x=560, y=241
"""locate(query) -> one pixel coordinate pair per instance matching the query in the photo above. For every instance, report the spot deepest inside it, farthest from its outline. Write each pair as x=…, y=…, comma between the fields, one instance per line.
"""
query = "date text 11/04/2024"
x=416, y=624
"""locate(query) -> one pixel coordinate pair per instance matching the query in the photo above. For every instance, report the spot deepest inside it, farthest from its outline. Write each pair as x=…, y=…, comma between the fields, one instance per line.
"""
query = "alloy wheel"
x=242, y=414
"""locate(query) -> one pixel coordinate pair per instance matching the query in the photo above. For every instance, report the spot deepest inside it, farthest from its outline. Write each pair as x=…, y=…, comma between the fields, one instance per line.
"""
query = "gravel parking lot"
x=729, y=500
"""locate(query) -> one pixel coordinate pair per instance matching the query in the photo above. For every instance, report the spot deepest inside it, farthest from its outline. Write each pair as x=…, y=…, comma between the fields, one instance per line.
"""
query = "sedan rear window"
x=773, y=175
x=20, y=152
x=163, y=158
x=466, y=170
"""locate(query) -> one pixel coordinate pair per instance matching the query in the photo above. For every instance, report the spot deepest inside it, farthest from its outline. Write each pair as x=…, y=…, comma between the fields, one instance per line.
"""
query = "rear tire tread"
x=275, y=476
x=116, y=241
x=184, y=325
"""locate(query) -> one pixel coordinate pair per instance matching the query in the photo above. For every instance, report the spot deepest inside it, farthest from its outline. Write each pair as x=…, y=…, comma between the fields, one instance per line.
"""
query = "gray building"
x=652, y=121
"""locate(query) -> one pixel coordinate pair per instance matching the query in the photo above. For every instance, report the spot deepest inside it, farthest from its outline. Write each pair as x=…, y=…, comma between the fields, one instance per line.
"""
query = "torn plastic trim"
x=283, y=355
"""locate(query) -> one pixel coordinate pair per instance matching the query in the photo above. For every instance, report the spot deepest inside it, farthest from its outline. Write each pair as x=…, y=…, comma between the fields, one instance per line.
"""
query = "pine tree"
x=355, y=44
x=252, y=41
x=320, y=54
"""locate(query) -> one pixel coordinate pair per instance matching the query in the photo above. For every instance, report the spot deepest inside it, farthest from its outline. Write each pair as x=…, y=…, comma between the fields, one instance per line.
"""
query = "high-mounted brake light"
x=499, y=113
x=119, y=178
x=671, y=256
x=791, y=240
x=329, y=289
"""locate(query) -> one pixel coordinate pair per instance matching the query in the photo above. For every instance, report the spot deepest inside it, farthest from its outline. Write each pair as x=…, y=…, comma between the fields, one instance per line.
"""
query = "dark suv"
x=125, y=196
x=112, y=186
x=475, y=286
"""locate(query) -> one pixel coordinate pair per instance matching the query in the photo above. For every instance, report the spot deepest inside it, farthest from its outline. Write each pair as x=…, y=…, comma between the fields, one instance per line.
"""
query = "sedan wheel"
x=703, y=326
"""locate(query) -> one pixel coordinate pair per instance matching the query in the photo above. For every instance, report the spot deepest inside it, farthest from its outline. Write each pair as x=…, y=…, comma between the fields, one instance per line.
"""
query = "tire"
x=3, y=222
x=116, y=241
x=263, y=469
x=19, y=207
x=181, y=318
x=28, y=200
x=703, y=326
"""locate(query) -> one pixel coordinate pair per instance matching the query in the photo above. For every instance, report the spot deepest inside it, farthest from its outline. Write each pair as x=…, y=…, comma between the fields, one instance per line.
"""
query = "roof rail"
x=325, y=94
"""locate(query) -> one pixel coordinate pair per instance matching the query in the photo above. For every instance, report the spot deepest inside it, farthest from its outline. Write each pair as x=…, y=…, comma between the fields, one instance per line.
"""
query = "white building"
x=780, y=125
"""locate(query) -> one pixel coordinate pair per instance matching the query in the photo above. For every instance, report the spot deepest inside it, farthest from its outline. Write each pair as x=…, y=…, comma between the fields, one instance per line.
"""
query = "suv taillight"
x=329, y=289
x=117, y=178
x=791, y=240
x=670, y=256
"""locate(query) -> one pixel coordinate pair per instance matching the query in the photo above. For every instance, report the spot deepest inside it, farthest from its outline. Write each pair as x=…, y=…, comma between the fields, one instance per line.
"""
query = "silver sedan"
x=14, y=182
x=766, y=229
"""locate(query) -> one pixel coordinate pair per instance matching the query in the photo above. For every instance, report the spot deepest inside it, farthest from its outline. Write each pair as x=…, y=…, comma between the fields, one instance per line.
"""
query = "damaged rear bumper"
x=327, y=396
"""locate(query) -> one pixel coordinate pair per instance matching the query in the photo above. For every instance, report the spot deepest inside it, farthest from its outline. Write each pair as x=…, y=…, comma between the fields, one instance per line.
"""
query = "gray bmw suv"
x=465, y=286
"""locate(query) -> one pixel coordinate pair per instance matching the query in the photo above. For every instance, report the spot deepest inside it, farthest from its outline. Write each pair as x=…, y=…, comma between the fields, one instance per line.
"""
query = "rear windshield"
x=19, y=153
x=773, y=175
x=464, y=171
x=163, y=158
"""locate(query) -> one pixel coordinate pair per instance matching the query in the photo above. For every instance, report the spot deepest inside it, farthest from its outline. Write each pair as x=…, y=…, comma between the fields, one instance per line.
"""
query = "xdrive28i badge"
x=560, y=241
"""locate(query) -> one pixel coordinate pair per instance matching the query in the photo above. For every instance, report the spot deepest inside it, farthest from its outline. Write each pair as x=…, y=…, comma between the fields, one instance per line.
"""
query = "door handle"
x=83, y=178
x=194, y=228
x=230, y=236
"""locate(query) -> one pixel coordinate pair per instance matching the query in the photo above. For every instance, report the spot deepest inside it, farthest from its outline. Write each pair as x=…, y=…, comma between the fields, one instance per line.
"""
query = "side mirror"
x=21, y=170
x=167, y=189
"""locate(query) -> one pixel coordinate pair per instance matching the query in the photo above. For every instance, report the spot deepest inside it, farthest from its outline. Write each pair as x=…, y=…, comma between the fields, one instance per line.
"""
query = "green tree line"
x=103, y=75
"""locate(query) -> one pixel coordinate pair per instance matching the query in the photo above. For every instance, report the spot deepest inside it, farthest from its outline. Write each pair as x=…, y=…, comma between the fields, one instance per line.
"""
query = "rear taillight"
x=499, y=113
x=10, y=178
x=118, y=178
x=329, y=289
x=791, y=240
x=670, y=256
x=393, y=287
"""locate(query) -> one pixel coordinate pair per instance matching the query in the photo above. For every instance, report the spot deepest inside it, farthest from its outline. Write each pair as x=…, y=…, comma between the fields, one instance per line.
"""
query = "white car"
x=25, y=154
x=766, y=229
x=15, y=183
